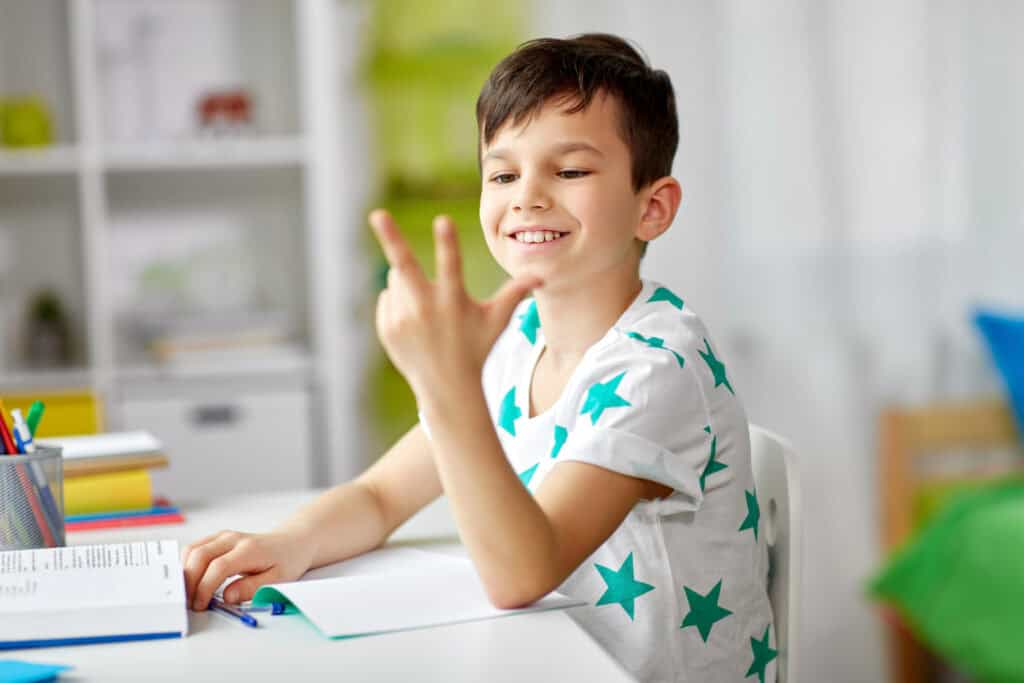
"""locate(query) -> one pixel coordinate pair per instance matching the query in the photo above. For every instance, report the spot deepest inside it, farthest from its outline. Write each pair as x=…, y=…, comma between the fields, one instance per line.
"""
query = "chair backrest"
x=778, y=493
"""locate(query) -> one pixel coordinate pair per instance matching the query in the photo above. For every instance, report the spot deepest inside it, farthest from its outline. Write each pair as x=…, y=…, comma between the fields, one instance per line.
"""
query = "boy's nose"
x=532, y=197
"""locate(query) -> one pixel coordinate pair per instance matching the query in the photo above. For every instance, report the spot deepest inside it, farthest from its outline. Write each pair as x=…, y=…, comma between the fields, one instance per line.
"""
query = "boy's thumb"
x=508, y=297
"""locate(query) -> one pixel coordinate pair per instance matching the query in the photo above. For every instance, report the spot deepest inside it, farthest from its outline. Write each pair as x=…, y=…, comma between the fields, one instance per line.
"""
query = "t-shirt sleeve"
x=642, y=412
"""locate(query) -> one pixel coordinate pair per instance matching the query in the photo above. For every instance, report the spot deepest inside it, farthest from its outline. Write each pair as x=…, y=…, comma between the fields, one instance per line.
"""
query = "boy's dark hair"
x=577, y=69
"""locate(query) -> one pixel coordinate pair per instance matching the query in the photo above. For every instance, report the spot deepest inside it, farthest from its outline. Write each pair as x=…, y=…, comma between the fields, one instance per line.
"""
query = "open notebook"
x=91, y=594
x=394, y=589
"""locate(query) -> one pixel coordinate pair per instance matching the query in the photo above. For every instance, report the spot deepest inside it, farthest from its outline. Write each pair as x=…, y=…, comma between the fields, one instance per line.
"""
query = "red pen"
x=5, y=434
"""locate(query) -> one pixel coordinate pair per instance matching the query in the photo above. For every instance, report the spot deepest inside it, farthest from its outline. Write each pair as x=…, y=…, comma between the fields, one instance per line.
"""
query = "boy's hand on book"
x=260, y=558
x=434, y=332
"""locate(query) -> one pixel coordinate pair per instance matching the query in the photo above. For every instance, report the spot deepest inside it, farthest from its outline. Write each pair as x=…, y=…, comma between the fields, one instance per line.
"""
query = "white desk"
x=542, y=646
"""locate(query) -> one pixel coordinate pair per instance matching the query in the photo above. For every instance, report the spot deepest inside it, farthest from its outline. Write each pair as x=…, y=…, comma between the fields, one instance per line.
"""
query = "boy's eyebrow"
x=559, y=149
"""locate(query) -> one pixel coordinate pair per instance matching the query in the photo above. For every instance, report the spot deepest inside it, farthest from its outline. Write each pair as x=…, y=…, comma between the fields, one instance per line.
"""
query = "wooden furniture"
x=912, y=442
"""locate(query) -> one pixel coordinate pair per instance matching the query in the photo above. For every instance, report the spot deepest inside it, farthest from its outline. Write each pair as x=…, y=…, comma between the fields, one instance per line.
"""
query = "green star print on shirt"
x=717, y=367
x=704, y=610
x=509, y=412
x=753, y=513
x=713, y=465
x=663, y=294
x=561, y=434
x=601, y=396
x=656, y=343
x=622, y=587
x=762, y=655
x=526, y=475
x=530, y=322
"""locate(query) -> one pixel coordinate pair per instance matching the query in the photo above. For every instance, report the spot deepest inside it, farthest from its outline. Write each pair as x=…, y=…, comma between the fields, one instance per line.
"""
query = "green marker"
x=35, y=413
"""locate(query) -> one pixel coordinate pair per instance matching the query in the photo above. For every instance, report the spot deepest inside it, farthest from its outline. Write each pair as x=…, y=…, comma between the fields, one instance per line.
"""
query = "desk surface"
x=542, y=646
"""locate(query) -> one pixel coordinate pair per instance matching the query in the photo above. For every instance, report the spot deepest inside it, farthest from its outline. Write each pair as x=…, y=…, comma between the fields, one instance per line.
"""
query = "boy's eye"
x=570, y=173
x=503, y=178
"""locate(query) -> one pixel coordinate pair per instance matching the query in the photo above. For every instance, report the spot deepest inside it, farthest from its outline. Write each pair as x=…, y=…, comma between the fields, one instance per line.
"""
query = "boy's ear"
x=663, y=198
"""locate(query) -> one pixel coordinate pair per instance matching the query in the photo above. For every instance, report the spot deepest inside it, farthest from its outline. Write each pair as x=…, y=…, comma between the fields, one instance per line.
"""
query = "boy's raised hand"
x=434, y=332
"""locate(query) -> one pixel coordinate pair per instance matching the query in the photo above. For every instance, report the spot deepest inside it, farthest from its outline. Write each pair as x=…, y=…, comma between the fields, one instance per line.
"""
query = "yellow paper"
x=108, y=492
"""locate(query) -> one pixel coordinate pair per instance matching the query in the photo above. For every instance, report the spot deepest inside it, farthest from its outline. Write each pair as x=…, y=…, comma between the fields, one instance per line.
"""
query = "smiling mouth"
x=537, y=236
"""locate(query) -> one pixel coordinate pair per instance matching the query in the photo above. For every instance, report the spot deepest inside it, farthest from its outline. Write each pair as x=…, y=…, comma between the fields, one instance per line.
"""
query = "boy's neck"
x=575, y=317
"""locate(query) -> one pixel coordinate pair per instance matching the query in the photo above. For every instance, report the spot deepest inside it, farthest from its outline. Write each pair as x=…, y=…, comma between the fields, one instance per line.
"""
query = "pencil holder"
x=32, y=500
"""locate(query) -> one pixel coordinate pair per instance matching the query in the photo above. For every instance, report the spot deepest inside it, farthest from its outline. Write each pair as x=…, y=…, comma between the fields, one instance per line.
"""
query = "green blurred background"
x=426, y=63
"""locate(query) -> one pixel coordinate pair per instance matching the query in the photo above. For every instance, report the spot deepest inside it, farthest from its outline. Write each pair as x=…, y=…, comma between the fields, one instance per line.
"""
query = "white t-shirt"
x=679, y=591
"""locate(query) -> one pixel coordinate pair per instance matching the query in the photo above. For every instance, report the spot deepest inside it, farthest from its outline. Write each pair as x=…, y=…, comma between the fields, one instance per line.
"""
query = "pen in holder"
x=32, y=500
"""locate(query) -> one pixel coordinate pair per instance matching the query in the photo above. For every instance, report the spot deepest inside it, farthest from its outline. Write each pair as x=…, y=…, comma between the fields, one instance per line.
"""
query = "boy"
x=589, y=440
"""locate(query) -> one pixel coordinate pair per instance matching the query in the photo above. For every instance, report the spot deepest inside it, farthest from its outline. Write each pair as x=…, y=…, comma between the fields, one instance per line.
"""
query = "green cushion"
x=959, y=584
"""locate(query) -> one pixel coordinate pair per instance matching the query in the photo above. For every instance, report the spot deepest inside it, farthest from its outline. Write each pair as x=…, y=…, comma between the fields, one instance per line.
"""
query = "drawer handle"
x=215, y=415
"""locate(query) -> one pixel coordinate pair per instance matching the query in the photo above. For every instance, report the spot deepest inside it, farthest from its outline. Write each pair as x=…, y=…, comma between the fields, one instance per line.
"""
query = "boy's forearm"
x=505, y=531
x=342, y=522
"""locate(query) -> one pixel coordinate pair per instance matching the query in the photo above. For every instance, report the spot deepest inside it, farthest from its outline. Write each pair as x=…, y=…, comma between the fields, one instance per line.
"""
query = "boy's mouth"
x=537, y=236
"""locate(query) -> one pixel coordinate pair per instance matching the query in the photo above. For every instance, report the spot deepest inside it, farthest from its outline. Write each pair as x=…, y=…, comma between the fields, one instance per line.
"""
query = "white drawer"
x=220, y=445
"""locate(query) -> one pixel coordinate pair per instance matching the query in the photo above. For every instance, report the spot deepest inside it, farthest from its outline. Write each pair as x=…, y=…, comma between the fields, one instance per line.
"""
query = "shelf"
x=225, y=365
x=199, y=153
x=33, y=380
x=57, y=159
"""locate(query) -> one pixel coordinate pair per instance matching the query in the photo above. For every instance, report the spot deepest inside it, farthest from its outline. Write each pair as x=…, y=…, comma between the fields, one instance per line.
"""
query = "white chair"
x=778, y=493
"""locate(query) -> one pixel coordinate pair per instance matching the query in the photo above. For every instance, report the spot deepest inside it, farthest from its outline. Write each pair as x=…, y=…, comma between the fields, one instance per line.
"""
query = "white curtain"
x=850, y=175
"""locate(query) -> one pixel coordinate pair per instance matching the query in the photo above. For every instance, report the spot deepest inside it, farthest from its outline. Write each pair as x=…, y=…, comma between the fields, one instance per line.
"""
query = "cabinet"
x=136, y=217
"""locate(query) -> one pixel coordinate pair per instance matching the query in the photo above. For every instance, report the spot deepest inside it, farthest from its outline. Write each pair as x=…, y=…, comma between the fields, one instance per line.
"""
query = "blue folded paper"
x=17, y=671
x=1004, y=335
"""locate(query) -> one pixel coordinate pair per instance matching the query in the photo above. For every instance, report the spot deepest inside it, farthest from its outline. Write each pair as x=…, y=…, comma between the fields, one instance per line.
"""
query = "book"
x=120, y=522
x=109, y=452
x=394, y=589
x=162, y=512
x=110, y=444
x=91, y=594
x=108, y=492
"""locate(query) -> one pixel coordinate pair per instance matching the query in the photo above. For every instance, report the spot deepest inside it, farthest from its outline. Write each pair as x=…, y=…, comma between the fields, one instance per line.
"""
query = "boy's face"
x=567, y=177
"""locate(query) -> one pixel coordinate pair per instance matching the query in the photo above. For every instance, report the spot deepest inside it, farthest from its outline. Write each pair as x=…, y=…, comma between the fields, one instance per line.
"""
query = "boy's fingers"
x=396, y=250
x=200, y=557
x=446, y=252
x=243, y=589
x=504, y=302
x=216, y=572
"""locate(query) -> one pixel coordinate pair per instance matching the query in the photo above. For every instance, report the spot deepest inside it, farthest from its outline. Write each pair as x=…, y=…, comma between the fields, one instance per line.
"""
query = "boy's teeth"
x=537, y=236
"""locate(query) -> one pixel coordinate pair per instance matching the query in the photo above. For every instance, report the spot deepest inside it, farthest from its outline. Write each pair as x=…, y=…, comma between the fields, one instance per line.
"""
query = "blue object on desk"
x=219, y=605
x=16, y=671
x=1005, y=338
x=274, y=608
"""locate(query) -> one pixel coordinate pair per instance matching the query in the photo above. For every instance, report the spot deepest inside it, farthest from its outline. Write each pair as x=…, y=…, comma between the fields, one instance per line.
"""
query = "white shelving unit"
x=84, y=215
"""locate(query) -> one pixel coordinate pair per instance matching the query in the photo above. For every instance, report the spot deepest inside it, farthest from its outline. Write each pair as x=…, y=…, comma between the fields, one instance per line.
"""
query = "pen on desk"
x=219, y=605
x=274, y=608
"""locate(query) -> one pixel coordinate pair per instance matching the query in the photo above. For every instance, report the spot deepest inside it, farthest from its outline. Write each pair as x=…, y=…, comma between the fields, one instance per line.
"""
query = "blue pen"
x=274, y=608
x=219, y=605
x=23, y=439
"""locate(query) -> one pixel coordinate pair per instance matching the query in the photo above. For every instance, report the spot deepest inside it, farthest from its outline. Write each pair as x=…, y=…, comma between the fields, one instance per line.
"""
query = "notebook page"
x=88, y=576
x=446, y=591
